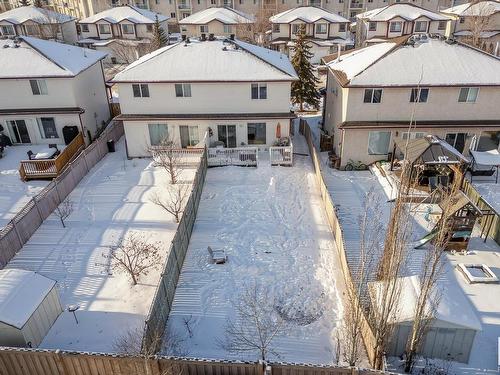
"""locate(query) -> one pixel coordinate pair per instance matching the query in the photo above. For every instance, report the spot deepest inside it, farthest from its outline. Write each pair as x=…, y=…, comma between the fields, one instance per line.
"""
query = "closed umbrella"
x=278, y=131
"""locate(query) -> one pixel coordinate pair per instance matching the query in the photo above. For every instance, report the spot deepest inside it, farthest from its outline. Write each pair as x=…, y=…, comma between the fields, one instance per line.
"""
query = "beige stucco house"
x=219, y=21
x=479, y=20
x=38, y=23
x=240, y=95
x=443, y=88
x=396, y=20
x=46, y=86
x=124, y=32
x=326, y=31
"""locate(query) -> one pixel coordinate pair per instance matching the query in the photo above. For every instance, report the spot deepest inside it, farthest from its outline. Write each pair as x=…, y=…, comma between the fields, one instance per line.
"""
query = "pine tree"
x=160, y=39
x=304, y=90
x=24, y=3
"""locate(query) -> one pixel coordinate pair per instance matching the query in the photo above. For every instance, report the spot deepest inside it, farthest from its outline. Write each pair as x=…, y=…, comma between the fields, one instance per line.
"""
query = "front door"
x=184, y=130
x=19, y=130
x=227, y=135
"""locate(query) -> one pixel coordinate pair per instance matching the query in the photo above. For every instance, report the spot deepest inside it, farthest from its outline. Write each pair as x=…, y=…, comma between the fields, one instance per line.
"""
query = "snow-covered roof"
x=225, y=15
x=21, y=292
x=453, y=307
x=481, y=8
x=407, y=11
x=482, y=34
x=432, y=62
x=33, y=57
x=31, y=13
x=491, y=157
x=308, y=14
x=208, y=61
x=125, y=13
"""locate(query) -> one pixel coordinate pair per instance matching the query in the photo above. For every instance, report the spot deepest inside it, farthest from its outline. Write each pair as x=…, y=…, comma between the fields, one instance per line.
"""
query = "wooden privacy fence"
x=336, y=228
x=15, y=361
x=281, y=155
x=20, y=229
x=164, y=295
x=243, y=156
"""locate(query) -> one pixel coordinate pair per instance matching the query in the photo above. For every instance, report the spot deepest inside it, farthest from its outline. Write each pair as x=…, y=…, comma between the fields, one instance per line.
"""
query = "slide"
x=426, y=239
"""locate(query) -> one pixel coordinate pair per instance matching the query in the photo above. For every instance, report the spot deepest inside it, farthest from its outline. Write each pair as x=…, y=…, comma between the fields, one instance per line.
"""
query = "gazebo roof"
x=459, y=201
x=430, y=150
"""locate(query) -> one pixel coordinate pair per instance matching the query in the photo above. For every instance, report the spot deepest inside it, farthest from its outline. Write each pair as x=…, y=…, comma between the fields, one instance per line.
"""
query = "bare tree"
x=135, y=256
x=125, y=52
x=175, y=201
x=477, y=22
x=64, y=210
x=256, y=326
x=166, y=156
x=256, y=32
x=49, y=25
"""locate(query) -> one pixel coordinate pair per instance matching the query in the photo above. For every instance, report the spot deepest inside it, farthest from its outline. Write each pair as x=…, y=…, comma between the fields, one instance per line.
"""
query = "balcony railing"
x=184, y=5
x=356, y=5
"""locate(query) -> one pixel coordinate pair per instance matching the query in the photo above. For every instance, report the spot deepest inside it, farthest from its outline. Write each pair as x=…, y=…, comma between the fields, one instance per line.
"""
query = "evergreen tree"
x=24, y=3
x=38, y=3
x=160, y=38
x=304, y=90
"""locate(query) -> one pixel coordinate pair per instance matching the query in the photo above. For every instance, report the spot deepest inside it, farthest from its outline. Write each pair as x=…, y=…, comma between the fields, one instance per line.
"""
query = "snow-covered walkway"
x=271, y=223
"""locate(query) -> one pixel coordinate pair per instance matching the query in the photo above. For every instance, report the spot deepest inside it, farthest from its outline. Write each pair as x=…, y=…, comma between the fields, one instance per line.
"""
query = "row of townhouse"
x=440, y=87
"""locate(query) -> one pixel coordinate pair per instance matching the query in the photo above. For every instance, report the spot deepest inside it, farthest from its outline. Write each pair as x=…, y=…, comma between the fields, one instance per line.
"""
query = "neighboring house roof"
x=408, y=12
x=21, y=292
x=125, y=13
x=431, y=62
x=225, y=15
x=32, y=57
x=481, y=8
x=30, y=13
x=482, y=34
x=209, y=61
x=308, y=14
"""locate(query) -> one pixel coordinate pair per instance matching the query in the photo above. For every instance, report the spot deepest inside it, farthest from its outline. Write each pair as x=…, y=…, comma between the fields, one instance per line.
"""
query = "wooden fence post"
x=37, y=208
x=21, y=242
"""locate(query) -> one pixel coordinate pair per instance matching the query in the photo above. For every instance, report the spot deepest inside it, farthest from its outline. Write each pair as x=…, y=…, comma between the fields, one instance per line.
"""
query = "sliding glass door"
x=227, y=134
x=19, y=131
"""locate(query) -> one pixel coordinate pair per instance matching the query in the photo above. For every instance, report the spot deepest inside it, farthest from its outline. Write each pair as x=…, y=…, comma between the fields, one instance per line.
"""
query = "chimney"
x=203, y=37
x=211, y=36
x=231, y=36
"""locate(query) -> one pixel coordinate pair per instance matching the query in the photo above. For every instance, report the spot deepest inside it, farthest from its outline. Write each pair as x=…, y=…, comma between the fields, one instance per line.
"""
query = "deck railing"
x=281, y=155
x=182, y=156
x=51, y=168
x=243, y=156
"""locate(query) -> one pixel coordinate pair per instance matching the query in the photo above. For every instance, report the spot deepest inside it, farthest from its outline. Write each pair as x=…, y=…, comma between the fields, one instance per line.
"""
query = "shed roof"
x=31, y=13
x=308, y=14
x=225, y=15
x=21, y=292
x=408, y=12
x=430, y=150
x=125, y=13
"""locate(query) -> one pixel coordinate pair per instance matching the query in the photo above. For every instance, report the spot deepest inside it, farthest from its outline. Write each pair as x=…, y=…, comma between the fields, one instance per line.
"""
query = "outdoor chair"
x=217, y=256
x=30, y=155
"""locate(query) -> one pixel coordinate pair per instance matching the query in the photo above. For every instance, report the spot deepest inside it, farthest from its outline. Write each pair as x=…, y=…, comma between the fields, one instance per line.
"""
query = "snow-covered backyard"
x=271, y=224
x=111, y=200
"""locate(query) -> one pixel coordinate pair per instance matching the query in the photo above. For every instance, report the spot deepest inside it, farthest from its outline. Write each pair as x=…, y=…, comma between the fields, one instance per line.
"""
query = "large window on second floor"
x=104, y=28
x=442, y=25
x=127, y=28
x=372, y=96
x=342, y=27
x=183, y=90
x=419, y=95
x=259, y=91
x=228, y=29
x=276, y=27
x=296, y=28
x=468, y=94
x=321, y=28
x=85, y=28
x=204, y=29
x=140, y=90
x=7, y=30
x=38, y=87
x=421, y=26
x=372, y=26
x=395, y=27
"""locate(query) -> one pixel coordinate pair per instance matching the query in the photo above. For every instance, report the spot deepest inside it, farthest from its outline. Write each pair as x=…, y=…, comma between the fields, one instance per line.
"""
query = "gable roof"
x=125, y=13
x=209, y=61
x=409, y=12
x=430, y=62
x=21, y=292
x=31, y=13
x=484, y=8
x=42, y=58
x=308, y=14
x=225, y=15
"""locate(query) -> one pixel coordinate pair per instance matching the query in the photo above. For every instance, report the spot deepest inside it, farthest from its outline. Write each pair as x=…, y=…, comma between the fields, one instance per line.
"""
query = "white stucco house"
x=237, y=92
x=397, y=20
x=38, y=23
x=445, y=88
x=46, y=87
x=123, y=32
x=326, y=31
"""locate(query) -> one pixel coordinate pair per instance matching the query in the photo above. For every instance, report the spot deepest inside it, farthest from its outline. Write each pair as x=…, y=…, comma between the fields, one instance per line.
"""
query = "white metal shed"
x=29, y=305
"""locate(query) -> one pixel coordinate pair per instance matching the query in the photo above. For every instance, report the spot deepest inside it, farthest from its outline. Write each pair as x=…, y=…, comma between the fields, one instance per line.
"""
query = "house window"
x=204, y=29
x=419, y=95
x=378, y=143
x=457, y=140
x=194, y=137
x=38, y=87
x=212, y=2
x=296, y=28
x=127, y=28
x=341, y=1
x=256, y=133
x=342, y=27
x=158, y=133
x=468, y=94
x=47, y=128
x=421, y=26
x=228, y=29
x=373, y=96
x=104, y=29
x=442, y=25
x=412, y=135
x=321, y=28
x=85, y=28
x=149, y=28
x=7, y=29
x=172, y=15
x=183, y=90
x=140, y=90
x=276, y=27
x=31, y=29
x=372, y=26
x=462, y=19
x=395, y=27
x=259, y=90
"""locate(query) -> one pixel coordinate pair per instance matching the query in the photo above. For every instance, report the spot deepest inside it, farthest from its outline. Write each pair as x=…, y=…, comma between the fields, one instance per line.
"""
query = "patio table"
x=46, y=153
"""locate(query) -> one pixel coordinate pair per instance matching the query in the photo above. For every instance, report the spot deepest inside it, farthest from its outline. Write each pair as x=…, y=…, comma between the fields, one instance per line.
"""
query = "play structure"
x=460, y=220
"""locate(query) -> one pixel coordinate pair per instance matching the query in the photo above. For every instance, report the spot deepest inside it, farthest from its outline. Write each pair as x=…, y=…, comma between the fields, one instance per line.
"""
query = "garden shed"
x=29, y=305
x=452, y=332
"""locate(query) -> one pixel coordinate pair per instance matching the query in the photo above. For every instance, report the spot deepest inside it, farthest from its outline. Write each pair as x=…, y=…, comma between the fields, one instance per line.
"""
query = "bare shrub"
x=174, y=201
x=166, y=156
x=64, y=210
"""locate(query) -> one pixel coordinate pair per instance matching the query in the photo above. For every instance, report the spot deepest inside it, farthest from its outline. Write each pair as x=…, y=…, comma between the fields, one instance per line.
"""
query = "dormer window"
x=38, y=87
x=85, y=28
x=104, y=28
x=372, y=26
x=204, y=29
x=421, y=26
x=395, y=27
x=276, y=28
x=321, y=28
x=127, y=28
x=442, y=25
x=342, y=27
x=7, y=30
x=296, y=28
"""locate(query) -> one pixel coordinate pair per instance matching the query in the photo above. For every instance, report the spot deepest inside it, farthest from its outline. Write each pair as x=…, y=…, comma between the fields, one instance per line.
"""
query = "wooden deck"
x=51, y=168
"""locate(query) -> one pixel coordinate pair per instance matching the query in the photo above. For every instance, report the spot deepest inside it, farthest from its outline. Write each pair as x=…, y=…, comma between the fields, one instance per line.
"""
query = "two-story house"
x=46, y=87
x=38, y=23
x=238, y=92
x=124, y=32
x=326, y=31
x=437, y=86
x=396, y=20
x=477, y=23
x=221, y=21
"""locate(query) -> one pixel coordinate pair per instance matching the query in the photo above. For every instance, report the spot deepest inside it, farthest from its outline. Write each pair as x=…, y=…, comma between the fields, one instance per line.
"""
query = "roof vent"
x=211, y=37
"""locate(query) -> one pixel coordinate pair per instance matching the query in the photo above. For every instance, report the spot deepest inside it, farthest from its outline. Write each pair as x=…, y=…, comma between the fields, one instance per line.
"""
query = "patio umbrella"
x=278, y=131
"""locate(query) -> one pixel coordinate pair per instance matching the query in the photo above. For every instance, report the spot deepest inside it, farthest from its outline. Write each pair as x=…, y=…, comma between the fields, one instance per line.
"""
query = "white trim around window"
x=468, y=94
